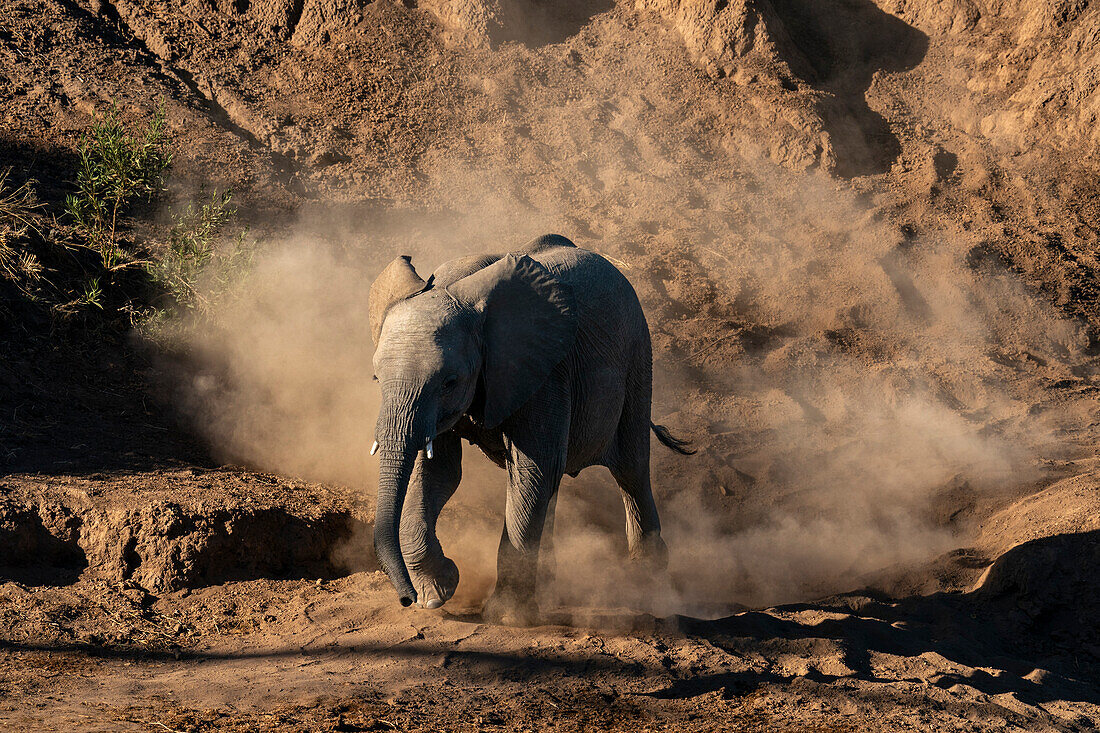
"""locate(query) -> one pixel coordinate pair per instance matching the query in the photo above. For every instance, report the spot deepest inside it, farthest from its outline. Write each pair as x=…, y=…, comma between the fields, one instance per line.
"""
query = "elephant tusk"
x=428, y=449
x=374, y=448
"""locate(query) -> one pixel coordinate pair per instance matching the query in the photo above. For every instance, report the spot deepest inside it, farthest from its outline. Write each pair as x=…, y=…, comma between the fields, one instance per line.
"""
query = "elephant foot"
x=434, y=582
x=650, y=554
x=506, y=607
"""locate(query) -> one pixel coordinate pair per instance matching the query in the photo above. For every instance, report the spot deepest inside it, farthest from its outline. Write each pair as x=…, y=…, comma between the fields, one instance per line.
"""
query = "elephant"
x=542, y=359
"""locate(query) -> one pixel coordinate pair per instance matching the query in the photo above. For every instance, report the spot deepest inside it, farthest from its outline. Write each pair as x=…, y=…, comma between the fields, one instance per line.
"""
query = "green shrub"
x=22, y=247
x=194, y=268
x=91, y=295
x=89, y=268
x=119, y=166
x=18, y=207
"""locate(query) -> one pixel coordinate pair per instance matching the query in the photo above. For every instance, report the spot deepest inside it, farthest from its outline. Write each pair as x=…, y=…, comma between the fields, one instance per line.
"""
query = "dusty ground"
x=864, y=235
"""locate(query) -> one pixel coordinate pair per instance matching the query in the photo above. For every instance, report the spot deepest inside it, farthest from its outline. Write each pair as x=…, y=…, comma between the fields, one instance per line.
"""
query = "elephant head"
x=481, y=345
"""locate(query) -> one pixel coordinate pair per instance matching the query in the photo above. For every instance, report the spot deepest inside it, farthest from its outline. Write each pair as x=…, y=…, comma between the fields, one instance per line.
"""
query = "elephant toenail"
x=434, y=603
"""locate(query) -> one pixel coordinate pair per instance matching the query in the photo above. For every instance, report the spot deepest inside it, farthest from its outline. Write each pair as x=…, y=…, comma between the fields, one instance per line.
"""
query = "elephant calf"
x=542, y=359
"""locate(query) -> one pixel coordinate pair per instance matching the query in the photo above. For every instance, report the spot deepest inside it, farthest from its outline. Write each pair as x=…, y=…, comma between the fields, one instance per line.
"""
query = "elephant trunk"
x=402, y=432
x=394, y=470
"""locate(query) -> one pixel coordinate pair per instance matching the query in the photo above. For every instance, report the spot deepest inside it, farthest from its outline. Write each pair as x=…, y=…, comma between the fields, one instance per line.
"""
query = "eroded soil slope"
x=863, y=234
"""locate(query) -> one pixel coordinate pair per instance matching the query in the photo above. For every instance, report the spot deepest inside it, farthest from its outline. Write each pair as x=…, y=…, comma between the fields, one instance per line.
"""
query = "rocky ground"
x=864, y=236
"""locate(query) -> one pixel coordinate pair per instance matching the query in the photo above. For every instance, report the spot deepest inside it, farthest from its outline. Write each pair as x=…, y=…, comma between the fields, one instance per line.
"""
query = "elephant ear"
x=397, y=282
x=529, y=322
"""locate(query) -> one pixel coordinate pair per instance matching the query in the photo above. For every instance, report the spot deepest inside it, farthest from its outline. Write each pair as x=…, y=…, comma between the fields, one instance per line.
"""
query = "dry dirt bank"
x=864, y=234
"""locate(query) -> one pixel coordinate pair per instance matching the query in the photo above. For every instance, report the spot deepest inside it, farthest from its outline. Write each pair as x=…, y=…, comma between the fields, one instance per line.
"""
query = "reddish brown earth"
x=864, y=235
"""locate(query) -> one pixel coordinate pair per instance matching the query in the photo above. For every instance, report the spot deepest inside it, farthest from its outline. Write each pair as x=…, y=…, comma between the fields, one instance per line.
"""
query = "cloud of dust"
x=281, y=379
x=894, y=374
x=837, y=375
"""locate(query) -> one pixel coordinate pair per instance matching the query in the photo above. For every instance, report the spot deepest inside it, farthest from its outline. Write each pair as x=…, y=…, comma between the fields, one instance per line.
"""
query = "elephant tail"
x=668, y=439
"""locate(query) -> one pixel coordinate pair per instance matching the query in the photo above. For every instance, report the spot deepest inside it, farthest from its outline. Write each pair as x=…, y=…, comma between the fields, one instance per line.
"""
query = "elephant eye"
x=450, y=382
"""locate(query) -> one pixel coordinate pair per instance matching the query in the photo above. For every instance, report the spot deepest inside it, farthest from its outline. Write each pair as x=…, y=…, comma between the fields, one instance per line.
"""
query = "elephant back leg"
x=629, y=464
x=548, y=564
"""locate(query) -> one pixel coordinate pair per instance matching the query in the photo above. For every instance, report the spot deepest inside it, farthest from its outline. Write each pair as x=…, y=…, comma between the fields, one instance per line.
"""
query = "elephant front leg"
x=433, y=482
x=534, y=473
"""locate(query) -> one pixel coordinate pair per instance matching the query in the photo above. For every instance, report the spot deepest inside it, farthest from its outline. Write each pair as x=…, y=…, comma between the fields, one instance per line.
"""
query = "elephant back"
x=546, y=241
x=454, y=270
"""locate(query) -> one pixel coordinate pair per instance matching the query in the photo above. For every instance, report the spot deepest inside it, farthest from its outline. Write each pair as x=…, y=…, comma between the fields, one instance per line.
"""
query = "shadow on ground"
x=553, y=21
x=79, y=409
x=1035, y=613
x=991, y=639
x=841, y=45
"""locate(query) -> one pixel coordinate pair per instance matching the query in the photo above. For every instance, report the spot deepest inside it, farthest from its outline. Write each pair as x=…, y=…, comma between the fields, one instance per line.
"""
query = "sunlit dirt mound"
x=864, y=237
x=873, y=316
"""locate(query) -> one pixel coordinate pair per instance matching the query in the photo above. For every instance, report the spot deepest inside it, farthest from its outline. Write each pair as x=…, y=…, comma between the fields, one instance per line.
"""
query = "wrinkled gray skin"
x=542, y=359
